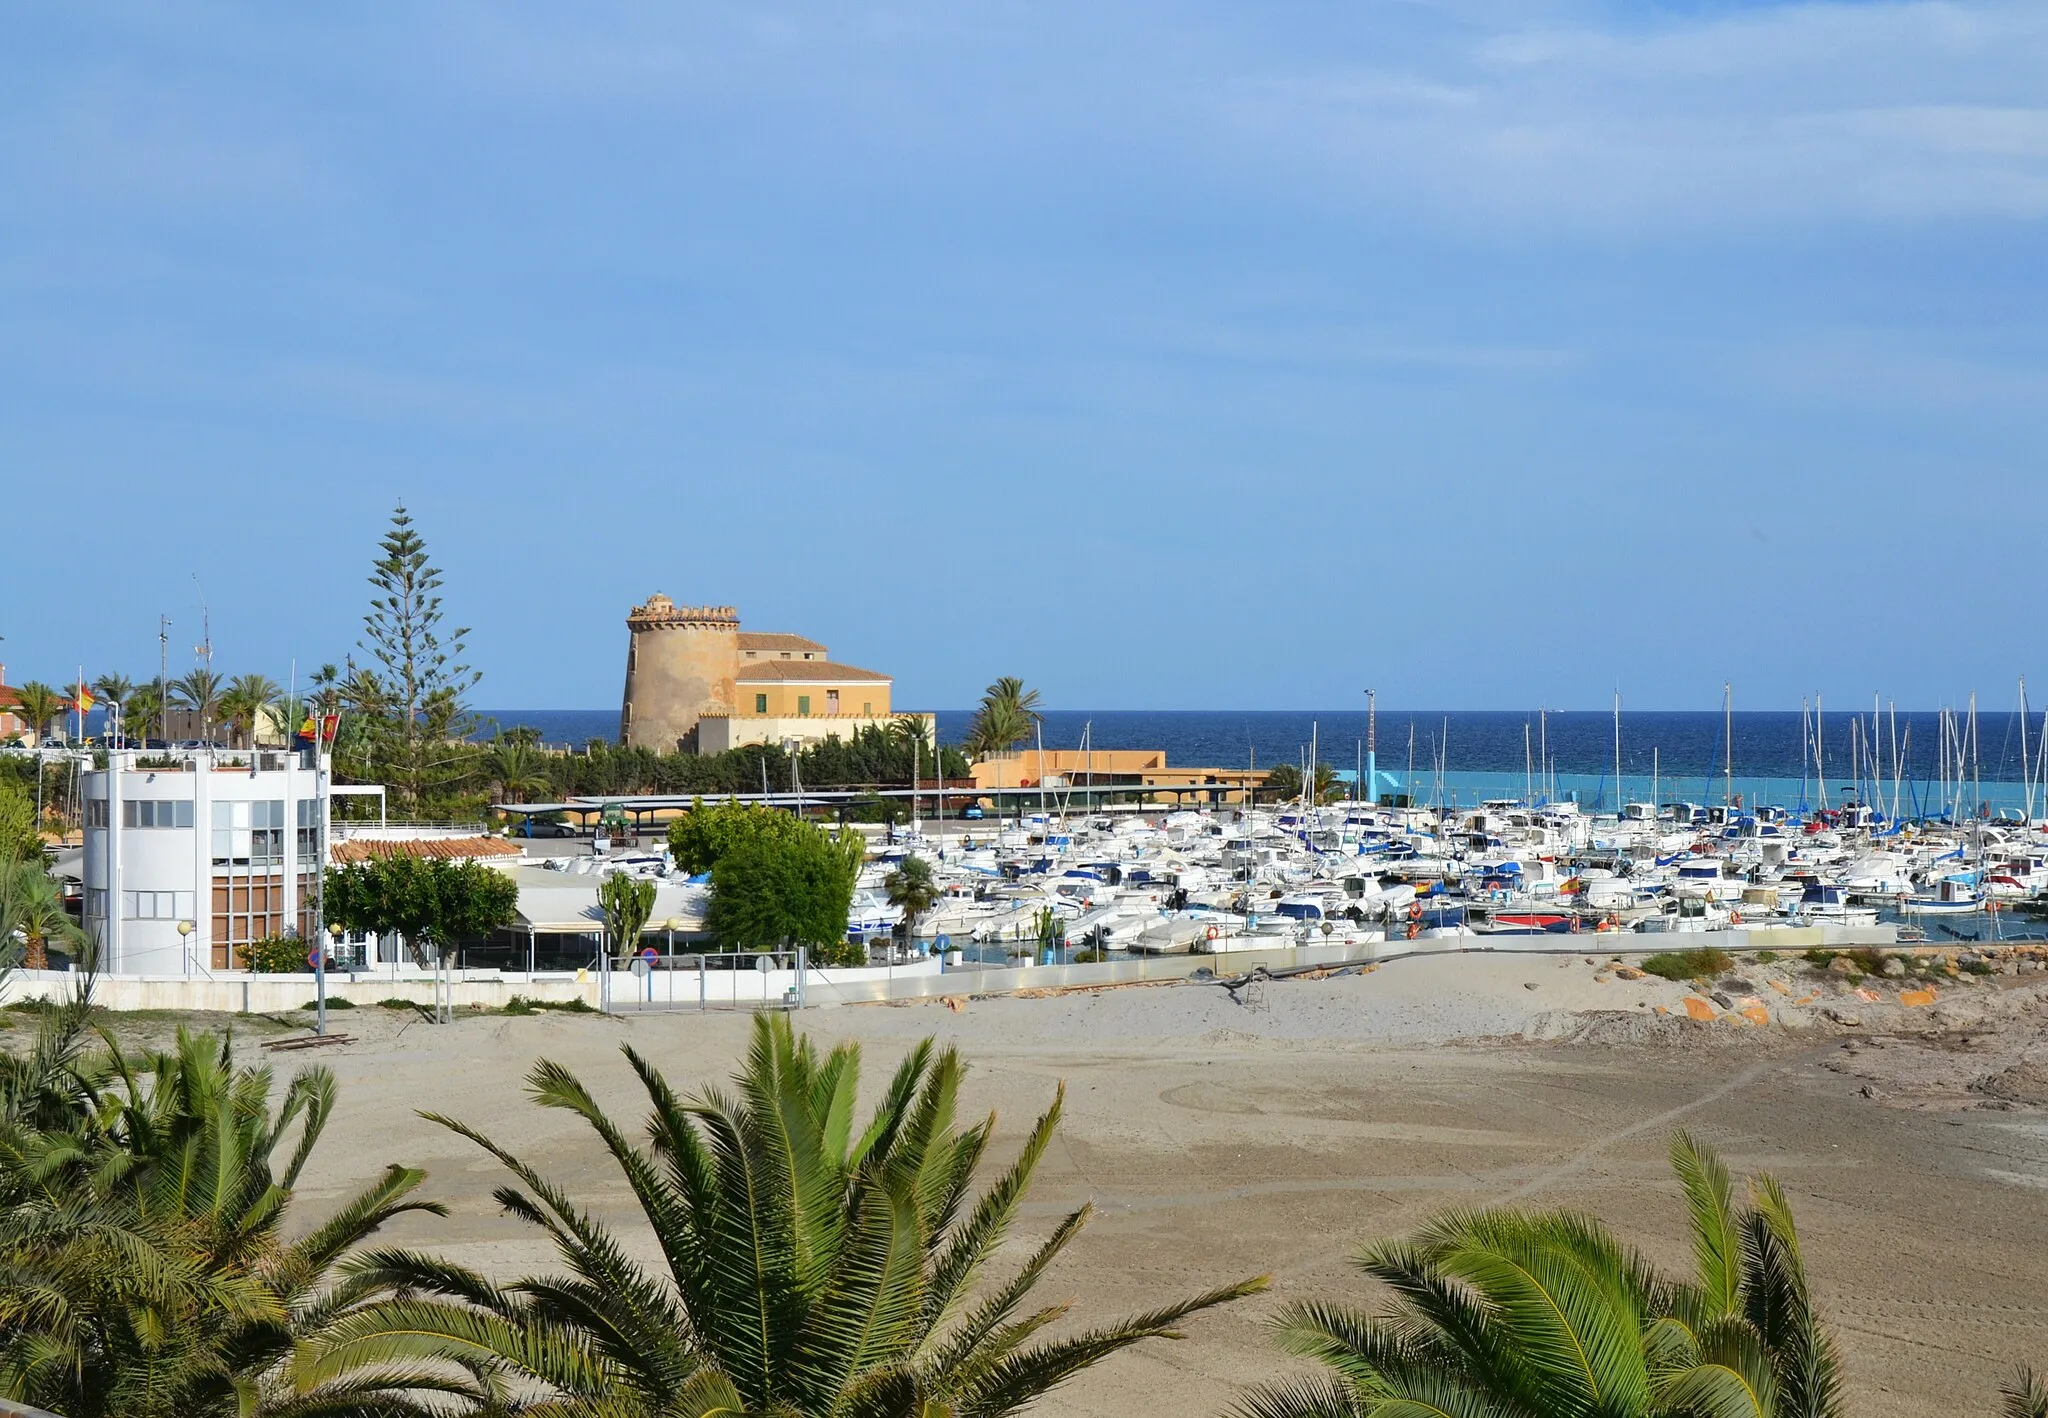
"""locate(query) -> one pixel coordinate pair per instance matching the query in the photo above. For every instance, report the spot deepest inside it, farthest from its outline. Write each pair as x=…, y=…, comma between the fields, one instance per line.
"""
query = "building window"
x=96, y=903
x=156, y=905
x=95, y=812
x=249, y=832
x=147, y=813
x=803, y=705
x=867, y=710
x=831, y=701
x=760, y=704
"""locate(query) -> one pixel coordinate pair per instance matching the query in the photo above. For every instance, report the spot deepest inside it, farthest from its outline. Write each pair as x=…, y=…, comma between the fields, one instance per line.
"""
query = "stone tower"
x=680, y=665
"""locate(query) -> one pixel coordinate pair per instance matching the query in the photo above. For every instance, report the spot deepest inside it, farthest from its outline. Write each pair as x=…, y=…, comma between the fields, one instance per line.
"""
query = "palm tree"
x=200, y=693
x=810, y=1265
x=40, y=706
x=114, y=692
x=142, y=713
x=2025, y=1396
x=912, y=887
x=906, y=731
x=245, y=704
x=144, y=1272
x=1512, y=1312
x=517, y=767
x=32, y=915
x=1006, y=717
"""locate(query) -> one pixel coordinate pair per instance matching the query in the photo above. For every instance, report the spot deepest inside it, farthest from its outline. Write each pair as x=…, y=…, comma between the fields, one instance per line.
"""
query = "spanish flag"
x=82, y=701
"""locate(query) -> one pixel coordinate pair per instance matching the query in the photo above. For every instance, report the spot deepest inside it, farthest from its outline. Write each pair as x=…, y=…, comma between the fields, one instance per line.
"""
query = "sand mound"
x=2025, y=1082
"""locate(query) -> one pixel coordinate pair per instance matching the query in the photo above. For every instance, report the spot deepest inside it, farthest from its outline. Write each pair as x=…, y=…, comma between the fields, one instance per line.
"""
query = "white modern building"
x=184, y=863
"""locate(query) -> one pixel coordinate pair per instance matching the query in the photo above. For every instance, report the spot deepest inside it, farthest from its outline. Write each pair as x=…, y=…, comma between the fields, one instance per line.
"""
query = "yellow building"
x=695, y=680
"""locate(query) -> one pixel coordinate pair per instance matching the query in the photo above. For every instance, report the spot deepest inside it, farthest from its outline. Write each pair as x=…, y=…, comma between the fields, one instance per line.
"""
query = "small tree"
x=19, y=839
x=698, y=839
x=912, y=887
x=774, y=891
x=626, y=901
x=429, y=901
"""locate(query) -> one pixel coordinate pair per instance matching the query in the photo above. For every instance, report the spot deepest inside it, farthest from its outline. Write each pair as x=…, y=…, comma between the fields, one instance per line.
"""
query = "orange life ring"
x=1413, y=930
x=1211, y=933
x=1414, y=910
x=1735, y=918
x=1575, y=925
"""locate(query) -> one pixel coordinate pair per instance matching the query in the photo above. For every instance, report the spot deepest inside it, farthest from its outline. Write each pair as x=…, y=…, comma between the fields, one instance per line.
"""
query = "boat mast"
x=1820, y=757
x=1728, y=727
x=1528, y=767
x=1805, y=750
x=1617, y=757
x=2026, y=764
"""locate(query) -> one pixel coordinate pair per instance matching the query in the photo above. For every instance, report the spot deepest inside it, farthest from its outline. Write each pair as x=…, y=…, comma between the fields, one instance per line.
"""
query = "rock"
x=1722, y=998
x=1843, y=965
x=1736, y=985
x=1843, y=1017
x=1628, y=972
x=1530, y=985
x=2028, y=967
x=1602, y=979
x=1894, y=969
x=1869, y=1090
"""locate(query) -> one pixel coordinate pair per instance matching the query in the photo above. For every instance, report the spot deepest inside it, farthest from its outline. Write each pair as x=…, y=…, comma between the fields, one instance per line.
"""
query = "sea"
x=1462, y=756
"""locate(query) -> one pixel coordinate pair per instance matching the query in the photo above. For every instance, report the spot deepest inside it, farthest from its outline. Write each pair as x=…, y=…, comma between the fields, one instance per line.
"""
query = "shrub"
x=520, y=1004
x=1688, y=964
x=1819, y=959
x=394, y=1002
x=333, y=1002
x=1868, y=959
x=1765, y=957
x=275, y=955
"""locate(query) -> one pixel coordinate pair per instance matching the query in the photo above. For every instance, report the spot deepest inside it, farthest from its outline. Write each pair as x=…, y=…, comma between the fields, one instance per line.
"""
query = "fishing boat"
x=1948, y=898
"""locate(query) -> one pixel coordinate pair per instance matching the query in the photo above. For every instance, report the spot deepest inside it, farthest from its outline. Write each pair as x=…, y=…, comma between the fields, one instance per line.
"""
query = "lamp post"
x=185, y=930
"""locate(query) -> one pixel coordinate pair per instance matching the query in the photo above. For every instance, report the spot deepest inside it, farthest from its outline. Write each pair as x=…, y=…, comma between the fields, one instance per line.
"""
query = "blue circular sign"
x=941, y=942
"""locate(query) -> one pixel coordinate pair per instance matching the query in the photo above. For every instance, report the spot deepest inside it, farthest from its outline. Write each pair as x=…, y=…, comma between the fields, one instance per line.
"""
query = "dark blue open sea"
x=1483, y=752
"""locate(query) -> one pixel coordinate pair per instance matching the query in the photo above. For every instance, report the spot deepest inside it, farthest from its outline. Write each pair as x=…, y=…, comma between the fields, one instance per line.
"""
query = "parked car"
x=549, y=828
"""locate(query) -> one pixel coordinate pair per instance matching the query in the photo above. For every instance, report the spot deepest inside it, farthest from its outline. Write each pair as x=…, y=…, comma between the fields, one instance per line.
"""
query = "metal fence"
x=658, y=982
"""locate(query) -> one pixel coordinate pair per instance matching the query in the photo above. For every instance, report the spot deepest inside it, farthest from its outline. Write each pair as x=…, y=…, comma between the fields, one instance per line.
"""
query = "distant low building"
x=12, y=725
x=696, y=681
x=1115, y=772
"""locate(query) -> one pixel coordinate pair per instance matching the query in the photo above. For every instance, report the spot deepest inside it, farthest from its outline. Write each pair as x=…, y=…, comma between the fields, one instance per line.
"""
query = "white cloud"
x=1797, y=113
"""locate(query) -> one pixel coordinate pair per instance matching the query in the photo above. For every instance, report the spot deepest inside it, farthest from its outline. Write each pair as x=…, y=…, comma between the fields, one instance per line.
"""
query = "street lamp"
x=185, y=930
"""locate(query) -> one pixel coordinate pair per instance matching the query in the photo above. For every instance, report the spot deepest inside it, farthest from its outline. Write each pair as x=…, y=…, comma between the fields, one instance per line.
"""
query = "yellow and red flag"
x=82, y=700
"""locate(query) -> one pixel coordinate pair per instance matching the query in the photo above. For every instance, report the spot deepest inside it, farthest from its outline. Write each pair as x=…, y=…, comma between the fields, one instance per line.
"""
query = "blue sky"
x=1167, y=355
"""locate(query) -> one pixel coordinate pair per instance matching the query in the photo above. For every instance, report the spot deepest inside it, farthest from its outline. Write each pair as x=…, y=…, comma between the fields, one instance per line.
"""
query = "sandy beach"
x=1273, y=1133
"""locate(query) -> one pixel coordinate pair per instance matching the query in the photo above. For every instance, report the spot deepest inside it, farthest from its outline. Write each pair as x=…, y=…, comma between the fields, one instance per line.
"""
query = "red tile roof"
x=453, y=849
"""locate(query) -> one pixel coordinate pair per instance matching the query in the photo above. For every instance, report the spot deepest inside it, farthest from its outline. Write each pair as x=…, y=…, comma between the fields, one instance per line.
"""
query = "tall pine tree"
x=420, y=677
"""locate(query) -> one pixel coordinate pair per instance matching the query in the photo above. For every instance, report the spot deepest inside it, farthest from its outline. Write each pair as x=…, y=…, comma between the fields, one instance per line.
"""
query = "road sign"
x=942, y=942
